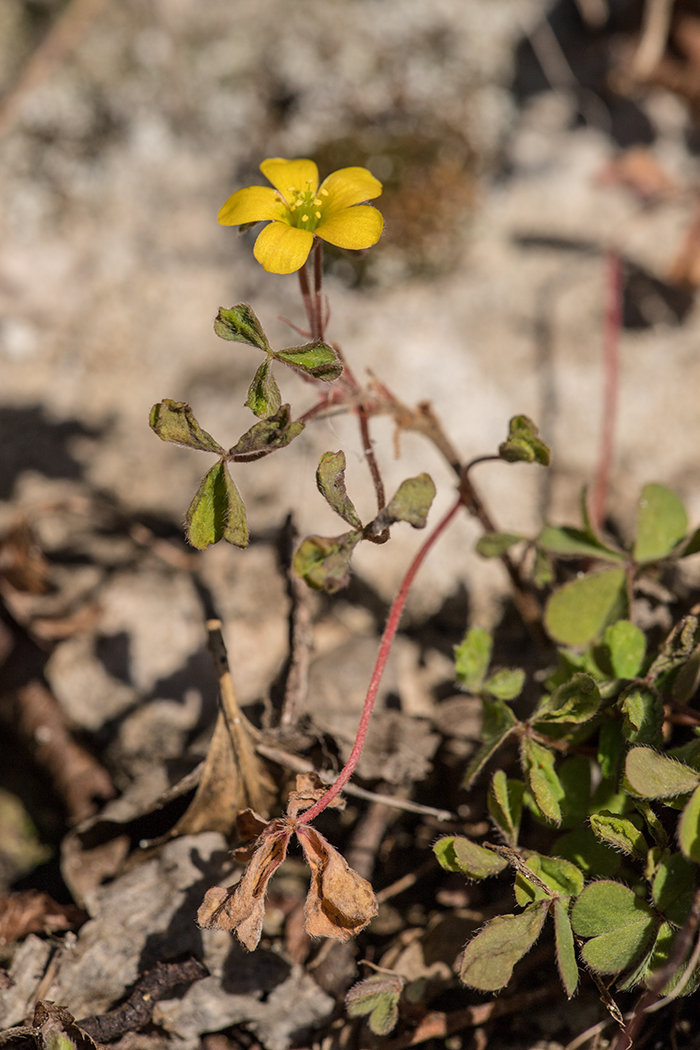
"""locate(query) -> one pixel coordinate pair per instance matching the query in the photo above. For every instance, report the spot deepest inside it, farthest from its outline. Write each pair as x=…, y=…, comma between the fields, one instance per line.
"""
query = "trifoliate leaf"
x=316, y=359
x=661, y=523
x=490, y=956
x=217, y=511
x=330, y=479
x=619, y=923
x=264, y=398
x=576, y=701
x=522, y=444
x=174, y=421
x=377, y=996
x=577, y=613
x=240, y=325
x=411, y=503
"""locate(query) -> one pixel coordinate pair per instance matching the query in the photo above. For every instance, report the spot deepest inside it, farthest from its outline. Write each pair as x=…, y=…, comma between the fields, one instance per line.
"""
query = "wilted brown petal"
x=340, y=902
x=242, y=909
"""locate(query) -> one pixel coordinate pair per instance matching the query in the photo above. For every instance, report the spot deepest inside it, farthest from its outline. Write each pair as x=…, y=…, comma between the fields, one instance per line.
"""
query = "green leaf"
x=506, y=684
x=538, y=762
x=686, y=682
x=174, y=421
x=627, y=646
x=316, y=359
x=574, y=543
x=264, y=398
x=217, y=511
x=577, y=613
x=566, y=953
x=689, y=828
x=644, y=715
x=498, y=721
x=472, y=658
x=494, y=544
x=575, y=776
x=456, y=853
x=651, y=775
x=324, y=561
x=692, y=545
x=506, y=806
x=661, y=523
x=611, y=745
x=267, y=436
x=677, y=648
x=576, y=701
x=411, y=503
x=377, y=996
x=673, y=887
x=542, y=571
x=563, y=878
x=620, y=923
x=330, y=479
x=240, y=325
x=620, y=833
x=651, y=822
x=490, y=956
x=659, y=958
x=522, y=444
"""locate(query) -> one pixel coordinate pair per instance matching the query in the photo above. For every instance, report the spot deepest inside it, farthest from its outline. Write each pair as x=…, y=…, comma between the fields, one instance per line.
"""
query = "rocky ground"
x=516, y=153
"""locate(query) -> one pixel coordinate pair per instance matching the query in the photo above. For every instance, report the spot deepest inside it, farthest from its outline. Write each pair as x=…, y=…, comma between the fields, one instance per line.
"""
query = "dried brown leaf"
x=35, y=912
x=340, y=902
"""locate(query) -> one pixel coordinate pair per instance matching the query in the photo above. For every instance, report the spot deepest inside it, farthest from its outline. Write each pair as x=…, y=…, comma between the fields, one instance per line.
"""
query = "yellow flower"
x=300, y=210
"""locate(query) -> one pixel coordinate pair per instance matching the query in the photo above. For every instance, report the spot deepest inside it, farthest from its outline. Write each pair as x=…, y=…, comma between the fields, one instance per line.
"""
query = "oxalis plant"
x=610, y=755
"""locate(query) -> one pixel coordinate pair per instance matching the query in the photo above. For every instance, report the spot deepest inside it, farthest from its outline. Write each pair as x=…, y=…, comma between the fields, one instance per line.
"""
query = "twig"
x=368, y=450
x=65, y=35
x=302, y=765
x=611, y=367
x=590, y=1033
x=382, y=657
x=133, y=1015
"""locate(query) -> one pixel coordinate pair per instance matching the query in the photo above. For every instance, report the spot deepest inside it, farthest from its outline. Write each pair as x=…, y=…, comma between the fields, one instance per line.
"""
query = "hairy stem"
x=308, y=301
x=318, y=286
x=382, y=657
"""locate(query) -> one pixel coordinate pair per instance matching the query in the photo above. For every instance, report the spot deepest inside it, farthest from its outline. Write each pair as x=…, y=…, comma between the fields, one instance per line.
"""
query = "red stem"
x=382, y=657
x=611, y=365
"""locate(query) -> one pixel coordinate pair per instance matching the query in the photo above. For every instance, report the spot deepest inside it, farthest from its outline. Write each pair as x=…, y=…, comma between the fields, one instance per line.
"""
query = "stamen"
x=317, y=201
x=318, y=214
x=305, y=218
x=324, y=193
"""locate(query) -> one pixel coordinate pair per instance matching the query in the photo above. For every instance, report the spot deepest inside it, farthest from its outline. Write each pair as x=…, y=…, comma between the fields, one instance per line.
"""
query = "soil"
x=520, y=148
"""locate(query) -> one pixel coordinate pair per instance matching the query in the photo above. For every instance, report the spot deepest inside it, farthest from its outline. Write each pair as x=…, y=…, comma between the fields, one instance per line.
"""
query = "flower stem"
x=382, y=657
x=308, y=301
x=318, y=285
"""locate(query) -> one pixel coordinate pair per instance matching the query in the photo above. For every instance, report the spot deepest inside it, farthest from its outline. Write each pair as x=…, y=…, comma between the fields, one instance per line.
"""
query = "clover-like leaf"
x=661, y=523
x=264, y=398
x=567, y=542
x=490, y=956
x=174, y=421
x=267, y=436
x=673, y=887
x=494, y=544
x=217, y=511
x=621, y=833
x=324, y=561
x=577, y=613
x=575, y=776
x=506, y=684
x=575, y=702
x=377, y=996
x=563, y=878
x=523, y=444
x=627, y=645
x=506, y=805
x=651, y=775
x=316, y=359
x=411, y=503
x=644, y=715
x=619, y=923
x=456, y=853
x=472, y=658
x=240, y=325
x=566, y=952
x=538, y=765
x=689, y=828
x=330, y=479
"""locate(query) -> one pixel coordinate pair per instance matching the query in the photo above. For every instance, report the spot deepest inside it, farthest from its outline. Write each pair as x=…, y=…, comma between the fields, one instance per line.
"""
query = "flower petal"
x=349, y=186
x=252, y=204
x=282, y=249
x=358, y=227
x=286, y=175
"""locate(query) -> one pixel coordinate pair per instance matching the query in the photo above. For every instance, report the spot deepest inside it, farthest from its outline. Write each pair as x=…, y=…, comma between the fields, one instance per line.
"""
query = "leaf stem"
x=382, y=657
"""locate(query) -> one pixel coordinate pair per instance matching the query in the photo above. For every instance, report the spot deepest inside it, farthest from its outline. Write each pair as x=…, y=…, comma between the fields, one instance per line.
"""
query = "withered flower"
x=339, y=903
